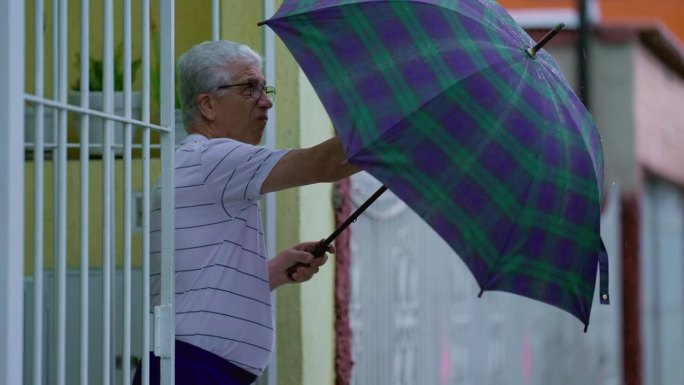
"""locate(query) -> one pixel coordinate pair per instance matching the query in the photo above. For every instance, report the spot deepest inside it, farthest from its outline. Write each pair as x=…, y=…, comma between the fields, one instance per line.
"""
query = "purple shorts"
x=198, y=366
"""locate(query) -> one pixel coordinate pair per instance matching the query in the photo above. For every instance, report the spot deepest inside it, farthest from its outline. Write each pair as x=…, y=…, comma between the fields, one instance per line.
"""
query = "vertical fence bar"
x=107, y=170
x=145, y=54
x=215, y=24
x=167, y=193
x=85, y=184
x=11, y=194
x=55, y=130
x=38, y=175
x=54, y=62
x=62, y=196
x=270, y=142
x=127, y=196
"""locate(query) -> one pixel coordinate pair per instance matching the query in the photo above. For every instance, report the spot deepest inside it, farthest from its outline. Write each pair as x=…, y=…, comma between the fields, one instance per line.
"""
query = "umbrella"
x=464, y=117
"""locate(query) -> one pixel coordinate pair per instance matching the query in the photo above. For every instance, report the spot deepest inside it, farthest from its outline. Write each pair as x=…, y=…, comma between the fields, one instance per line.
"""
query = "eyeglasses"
x=255, y=89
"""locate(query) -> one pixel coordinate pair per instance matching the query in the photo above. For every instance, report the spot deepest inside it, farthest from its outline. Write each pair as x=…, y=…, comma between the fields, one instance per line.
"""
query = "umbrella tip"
x=260, y=23
x=532, y=51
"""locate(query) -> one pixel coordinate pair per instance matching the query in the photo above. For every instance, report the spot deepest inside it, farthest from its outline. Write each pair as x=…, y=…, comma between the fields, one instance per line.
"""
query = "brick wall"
x=659, y=117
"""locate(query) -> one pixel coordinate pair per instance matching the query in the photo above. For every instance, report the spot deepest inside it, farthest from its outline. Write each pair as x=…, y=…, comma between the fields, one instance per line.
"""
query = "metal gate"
x=80, y=266
x=84, y=163
x=416, y=318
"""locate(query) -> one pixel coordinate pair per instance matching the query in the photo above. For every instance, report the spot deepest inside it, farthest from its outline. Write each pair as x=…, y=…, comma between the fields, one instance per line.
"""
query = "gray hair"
x=206, y=66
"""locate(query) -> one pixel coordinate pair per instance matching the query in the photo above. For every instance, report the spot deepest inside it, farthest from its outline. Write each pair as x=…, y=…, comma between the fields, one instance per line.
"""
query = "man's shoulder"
x=224, y=146
x=226, y=151
x=208, y=146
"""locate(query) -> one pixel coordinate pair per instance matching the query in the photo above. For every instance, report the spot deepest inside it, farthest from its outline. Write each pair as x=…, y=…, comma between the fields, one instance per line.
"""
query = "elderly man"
x=224, y=318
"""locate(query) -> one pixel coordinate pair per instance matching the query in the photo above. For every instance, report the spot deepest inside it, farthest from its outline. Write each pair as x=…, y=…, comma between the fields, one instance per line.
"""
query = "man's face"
x=240, y=115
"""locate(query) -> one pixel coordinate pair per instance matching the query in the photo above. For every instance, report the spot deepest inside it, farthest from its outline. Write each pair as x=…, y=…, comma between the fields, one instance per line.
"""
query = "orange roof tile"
x=670, y=12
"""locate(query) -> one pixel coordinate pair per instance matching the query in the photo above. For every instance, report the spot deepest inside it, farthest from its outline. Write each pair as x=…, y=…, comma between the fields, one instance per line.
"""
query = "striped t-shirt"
x=223, y=296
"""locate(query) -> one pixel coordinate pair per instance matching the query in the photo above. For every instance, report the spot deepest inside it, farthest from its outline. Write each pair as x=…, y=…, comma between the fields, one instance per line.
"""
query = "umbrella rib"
x=390, y=131
x=588, y=145
x=308, y=11
x=387, y=134
x=502, y=254
x=396, y=126
x=558, y=99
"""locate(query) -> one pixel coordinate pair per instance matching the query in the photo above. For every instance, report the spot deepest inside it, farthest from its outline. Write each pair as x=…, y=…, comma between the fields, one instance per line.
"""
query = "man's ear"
x=205, y=106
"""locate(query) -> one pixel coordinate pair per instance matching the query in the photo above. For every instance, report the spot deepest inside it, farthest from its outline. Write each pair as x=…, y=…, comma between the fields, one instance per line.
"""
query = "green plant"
x=96, y=75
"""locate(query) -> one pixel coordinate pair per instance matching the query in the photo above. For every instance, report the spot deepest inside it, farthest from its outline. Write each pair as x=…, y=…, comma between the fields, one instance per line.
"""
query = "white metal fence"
x=86, y=307
x=100, y=171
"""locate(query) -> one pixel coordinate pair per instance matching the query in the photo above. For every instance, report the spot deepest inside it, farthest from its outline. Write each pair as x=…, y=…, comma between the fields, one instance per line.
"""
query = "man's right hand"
x=301, y=253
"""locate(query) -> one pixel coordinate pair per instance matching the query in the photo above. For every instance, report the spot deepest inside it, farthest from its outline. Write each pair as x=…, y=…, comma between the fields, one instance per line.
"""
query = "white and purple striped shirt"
x=223, y=296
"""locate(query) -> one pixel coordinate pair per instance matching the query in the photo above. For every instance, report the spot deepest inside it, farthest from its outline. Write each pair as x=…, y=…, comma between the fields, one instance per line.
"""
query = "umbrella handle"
x=322, y=245
x=318, y=251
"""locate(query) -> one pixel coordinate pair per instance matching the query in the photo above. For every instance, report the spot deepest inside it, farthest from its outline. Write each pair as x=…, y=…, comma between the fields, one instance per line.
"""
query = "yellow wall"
x=73, y=213
x=317, y=296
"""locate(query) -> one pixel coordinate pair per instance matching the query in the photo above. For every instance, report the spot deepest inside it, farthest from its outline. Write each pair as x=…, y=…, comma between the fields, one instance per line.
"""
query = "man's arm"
x=325, y=162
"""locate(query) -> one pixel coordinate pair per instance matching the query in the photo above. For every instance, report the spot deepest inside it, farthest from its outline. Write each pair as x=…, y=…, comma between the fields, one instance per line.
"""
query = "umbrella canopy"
x=446, y=103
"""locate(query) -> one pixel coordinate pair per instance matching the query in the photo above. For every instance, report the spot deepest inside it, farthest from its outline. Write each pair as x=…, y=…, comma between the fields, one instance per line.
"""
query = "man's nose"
x=265, y=100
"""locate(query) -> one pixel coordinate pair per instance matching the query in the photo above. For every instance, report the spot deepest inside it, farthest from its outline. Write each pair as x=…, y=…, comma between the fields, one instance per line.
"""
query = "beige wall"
x=611, y=98
x=612, y=104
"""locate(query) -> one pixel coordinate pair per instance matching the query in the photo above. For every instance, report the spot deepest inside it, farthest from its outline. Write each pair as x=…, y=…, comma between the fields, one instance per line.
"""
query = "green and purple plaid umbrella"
x=445, y=104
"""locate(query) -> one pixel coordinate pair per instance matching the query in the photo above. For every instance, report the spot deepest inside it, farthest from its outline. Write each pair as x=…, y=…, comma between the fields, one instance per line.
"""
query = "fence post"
x=11, y=191
x=168, y=117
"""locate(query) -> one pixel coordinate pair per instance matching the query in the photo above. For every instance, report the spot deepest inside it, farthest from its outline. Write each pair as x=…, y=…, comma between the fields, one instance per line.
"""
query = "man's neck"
x=204, y=130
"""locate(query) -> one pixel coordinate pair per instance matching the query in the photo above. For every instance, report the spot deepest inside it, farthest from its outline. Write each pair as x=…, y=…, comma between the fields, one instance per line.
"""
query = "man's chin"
x=259, y=135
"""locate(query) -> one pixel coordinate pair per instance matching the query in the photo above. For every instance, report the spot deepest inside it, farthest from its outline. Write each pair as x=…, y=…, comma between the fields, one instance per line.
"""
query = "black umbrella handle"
x=322, y=245
x=318, y=251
